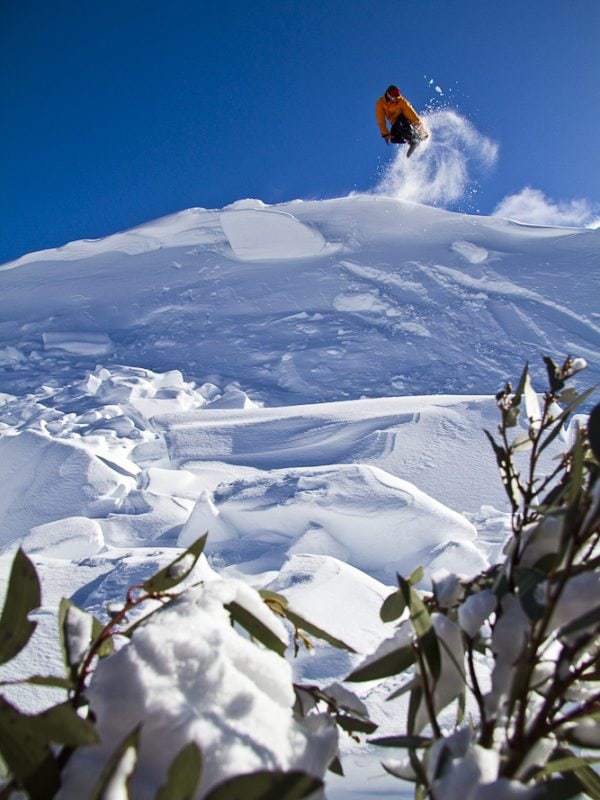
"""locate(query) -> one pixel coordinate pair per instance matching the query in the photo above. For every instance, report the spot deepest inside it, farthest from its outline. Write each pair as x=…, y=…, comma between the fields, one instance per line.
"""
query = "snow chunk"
x=44, y=480
x=475, y=610
x=471, y=252
x=464, y=775
x=117, y=788
x=581, y=594
x=9, y=356
x=233, y=397
x=70, y=538
x=317, y=586
x=258, y=235
x=187, y=675
x=78, y=625
x=79, y=343
x=378, y=523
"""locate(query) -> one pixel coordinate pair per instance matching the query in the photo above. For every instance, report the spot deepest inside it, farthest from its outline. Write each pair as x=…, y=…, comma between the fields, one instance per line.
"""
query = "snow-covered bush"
x=183, y=693
x=503, y=670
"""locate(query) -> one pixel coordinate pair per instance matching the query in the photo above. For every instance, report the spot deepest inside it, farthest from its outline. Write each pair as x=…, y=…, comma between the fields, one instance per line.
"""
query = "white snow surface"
x=309, y=383
x=360, y=514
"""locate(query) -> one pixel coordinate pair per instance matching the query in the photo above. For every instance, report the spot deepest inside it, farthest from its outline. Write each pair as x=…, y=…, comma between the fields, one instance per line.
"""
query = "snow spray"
x=442, y=168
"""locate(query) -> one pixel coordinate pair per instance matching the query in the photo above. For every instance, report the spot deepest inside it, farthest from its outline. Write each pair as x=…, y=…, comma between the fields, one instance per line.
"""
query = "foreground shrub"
x=503, y=671
x=184, y=693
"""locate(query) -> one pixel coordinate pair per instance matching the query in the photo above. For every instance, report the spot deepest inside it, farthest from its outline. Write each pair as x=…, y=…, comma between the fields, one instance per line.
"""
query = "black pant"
x=402, y=131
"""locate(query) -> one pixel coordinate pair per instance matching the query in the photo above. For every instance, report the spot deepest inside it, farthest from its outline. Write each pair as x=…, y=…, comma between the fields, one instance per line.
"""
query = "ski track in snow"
x=308, y=381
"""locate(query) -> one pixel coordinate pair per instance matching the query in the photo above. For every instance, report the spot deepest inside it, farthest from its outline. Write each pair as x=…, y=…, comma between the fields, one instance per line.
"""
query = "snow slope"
x=309, y=382
x=212, y=294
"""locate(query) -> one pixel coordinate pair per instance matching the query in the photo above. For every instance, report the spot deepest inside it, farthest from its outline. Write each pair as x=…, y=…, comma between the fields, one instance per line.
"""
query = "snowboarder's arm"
x=414, y=118
x=380, y=117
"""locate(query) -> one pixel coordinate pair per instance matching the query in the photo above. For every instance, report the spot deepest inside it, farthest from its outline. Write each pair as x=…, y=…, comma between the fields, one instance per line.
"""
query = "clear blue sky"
x=115, y=112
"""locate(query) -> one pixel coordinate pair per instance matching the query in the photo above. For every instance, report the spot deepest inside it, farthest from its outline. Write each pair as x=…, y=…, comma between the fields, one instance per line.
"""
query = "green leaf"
x=563, y=788
x=42, y=680
x=562, y=418
x=178, y=570
x=568, y=395
x=407, y=687
x=65, y=608
x=576, y=773
x=521, y=385
x=393, y=607
x=396, y=773
x=415, y=576
x=554, y=379
x=401, y=741
x=62, y=725
x=132, y=740
x=394, y=604
x=264, y=785
x=354, y=724
x=413, y=708
x=303, y=624
x=309, y=627
x=576, y=471
x=27, y=754
x=423, y=627
x=50, y=680
x=567, y=764
x=22, y=596
x=256, y=628
x=461, y=707
x=527, y=582
x=587, y=620
x=506, y=471
x=184, y=775
x=392, y=663
x=589, y=780
x=593, y=431
x=107, y=647
x=336, y=767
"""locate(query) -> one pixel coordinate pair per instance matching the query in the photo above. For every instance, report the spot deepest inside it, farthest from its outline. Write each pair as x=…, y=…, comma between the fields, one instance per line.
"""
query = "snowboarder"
x=406, y=124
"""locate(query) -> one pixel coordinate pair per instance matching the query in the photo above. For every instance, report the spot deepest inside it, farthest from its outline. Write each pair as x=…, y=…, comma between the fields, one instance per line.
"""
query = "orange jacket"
x=390, y=110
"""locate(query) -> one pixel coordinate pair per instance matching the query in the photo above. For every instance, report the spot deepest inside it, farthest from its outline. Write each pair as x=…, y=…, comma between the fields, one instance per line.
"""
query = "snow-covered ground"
x=308, y=382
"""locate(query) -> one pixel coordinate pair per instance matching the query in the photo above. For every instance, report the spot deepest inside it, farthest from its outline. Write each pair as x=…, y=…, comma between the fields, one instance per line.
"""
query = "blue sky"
x=114, y=113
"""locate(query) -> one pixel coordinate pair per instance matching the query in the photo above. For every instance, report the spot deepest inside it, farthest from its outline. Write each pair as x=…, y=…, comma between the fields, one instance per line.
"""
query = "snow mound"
x=187, y=675
x=259, y=234
x=357, y=513
x=69, y=538
x=79, y=343
x=183, y=228
x=44, y=480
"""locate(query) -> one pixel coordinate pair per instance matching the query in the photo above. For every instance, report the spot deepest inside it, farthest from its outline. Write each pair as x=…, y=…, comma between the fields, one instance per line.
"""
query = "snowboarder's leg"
x=401, y=131
x=412, y=146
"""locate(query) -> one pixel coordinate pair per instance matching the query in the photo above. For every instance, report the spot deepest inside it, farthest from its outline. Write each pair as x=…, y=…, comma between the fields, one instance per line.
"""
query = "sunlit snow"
x=308, y=382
